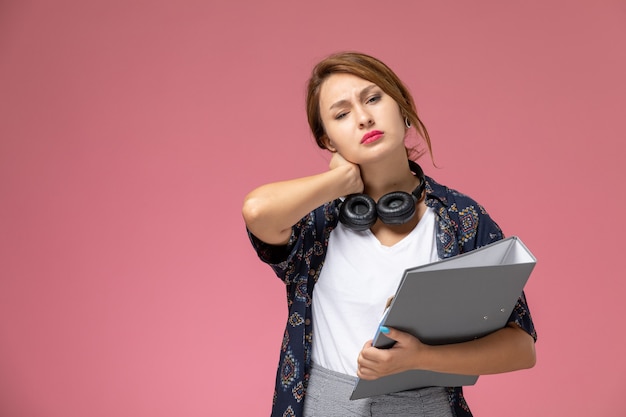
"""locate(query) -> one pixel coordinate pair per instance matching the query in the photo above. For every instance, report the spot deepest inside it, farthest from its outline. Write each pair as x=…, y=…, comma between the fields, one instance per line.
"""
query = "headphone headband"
x=417, y=171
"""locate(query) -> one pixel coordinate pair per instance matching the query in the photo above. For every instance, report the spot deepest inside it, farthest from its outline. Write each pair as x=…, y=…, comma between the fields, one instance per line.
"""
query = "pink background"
x=130, y=132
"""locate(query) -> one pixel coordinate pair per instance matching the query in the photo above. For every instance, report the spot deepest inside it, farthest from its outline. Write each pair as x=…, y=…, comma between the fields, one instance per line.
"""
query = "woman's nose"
x=365, y=118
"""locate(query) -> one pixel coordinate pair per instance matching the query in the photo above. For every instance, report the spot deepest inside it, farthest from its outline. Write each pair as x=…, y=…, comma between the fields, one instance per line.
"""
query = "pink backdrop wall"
x=130, y=132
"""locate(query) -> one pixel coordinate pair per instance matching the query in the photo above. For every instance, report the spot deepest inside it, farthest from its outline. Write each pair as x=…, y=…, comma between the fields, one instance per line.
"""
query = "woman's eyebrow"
x=362, y=95
x=367, y=90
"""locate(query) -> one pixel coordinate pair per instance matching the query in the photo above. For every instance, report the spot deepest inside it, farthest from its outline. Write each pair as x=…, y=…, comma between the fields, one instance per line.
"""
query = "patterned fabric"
x=462, y=226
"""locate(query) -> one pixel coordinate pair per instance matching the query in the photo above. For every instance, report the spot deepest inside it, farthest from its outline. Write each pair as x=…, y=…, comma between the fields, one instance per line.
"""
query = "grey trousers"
x=328, y=395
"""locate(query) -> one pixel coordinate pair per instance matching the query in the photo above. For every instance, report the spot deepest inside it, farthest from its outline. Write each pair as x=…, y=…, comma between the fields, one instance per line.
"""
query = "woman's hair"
x=367, y=68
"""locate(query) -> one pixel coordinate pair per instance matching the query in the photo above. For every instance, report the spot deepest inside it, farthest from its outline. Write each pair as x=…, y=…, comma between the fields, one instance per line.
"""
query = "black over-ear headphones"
x=359, y=211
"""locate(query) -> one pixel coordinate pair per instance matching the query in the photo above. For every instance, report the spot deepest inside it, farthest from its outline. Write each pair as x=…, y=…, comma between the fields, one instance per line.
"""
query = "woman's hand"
x=404, y=355
x=354, y=182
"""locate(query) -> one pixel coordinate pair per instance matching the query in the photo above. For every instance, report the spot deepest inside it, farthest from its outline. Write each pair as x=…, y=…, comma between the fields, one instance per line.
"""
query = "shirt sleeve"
x=478, y=229
x=489, y=233
x=521, y=317
x=306, y=236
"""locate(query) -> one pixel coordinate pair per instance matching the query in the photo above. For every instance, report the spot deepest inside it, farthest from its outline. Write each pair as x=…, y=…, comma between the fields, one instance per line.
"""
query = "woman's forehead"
x=341, y=86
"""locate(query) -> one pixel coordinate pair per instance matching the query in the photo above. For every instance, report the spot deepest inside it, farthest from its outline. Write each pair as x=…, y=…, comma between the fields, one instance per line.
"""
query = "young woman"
x=340, y=266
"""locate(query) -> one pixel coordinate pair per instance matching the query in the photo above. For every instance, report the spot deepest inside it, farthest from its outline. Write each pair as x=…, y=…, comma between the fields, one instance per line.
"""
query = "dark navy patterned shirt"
x=462, y=225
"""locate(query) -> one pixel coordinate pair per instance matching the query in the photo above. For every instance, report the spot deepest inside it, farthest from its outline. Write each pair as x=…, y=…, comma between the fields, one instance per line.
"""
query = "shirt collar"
x=435, y=191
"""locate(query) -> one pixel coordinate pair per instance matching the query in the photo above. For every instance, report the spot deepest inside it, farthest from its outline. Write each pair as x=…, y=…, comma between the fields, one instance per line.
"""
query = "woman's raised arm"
x=271, y=210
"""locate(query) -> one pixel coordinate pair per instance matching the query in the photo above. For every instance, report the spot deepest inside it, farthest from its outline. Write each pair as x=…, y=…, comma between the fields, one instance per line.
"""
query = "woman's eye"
x=373, y=99
x=341, y=115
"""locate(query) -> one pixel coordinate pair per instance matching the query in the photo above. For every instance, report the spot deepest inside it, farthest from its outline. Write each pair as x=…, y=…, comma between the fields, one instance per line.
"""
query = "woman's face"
x=361, y=121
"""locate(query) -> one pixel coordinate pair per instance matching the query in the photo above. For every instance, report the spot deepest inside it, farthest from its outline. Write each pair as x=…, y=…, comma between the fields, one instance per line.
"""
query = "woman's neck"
x=387, y=176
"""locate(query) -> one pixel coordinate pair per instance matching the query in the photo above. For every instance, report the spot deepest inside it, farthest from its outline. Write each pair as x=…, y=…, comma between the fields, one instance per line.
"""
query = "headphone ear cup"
x=358, y=212
x=396, y=208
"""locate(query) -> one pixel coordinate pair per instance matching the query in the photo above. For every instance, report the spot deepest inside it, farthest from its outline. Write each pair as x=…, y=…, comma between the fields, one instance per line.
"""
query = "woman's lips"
x=372, y=136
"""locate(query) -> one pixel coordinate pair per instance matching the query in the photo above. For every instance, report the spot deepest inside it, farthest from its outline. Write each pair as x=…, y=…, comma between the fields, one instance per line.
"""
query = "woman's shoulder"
x=472, y=225
x=449, y=197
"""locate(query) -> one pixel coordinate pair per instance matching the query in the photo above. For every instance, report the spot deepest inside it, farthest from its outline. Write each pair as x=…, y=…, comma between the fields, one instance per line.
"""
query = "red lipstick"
x=372, y=136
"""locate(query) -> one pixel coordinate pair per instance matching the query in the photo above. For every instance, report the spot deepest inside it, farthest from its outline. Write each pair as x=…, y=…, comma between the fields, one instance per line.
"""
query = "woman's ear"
x=328, y=144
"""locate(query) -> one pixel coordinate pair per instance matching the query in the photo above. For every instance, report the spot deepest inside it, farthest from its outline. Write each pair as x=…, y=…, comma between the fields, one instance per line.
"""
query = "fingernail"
x=384, y=329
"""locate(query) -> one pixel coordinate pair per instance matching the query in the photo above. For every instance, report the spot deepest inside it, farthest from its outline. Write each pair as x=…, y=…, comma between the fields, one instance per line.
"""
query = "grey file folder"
x=450, y=301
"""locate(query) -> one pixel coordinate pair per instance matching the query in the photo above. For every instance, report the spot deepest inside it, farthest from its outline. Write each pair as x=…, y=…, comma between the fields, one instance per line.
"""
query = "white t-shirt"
x=358, y=277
